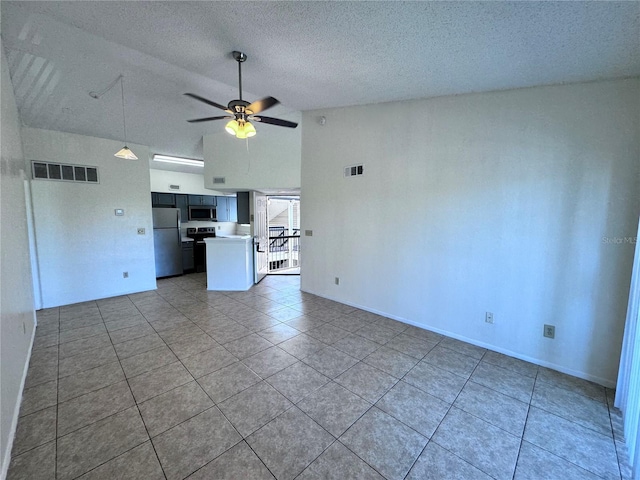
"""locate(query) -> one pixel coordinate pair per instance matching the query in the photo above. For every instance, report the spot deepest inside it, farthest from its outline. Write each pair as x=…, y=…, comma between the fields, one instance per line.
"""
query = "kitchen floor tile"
x=188, y=346
x=36, y=464
x=138, y=345
x=301, y=346
x=246, y=346
x=451, y=361
x=436, y=463
x=463, y=347
x=377, y=333
x=299, y=441
x=147, y=361
x=533, y=461
x=391, y=361
x=297, y=381
x=366, y=381
x=334, y=408
x=89, y=380
x=87, y=361
x=519, y=366
x=228, y=381
x=269, y=361
x=155, y=382
x=194, y=443
x=330, y=362
x=138, y=463
x=412, y=346
x=84, y=345
x=34, y=430
x=337, y=463
x=327, y=333
x=435, y=381
x=279, y=333
x=384, y=443
x=254, y=407
x=504, y=381
x=36, y=398
x=208, y=361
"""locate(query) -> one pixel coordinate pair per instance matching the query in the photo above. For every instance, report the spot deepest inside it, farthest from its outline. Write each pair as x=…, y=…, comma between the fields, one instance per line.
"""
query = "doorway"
x=283, y=223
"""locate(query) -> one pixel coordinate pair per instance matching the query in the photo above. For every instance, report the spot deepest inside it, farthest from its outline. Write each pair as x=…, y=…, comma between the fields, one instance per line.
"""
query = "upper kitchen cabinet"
x=208, y=200
x=227, y=209
x=162, y=199
x=243, y=214
x=182, y=202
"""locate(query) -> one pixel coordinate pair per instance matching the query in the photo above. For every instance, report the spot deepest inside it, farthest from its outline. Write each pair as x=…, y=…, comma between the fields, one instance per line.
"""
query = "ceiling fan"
x=240, y=112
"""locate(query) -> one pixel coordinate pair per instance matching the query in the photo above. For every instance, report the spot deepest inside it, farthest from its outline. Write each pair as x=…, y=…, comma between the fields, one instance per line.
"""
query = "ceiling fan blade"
x=208, y=119
x=262, y=104
x=274, y=121
x=204, y=100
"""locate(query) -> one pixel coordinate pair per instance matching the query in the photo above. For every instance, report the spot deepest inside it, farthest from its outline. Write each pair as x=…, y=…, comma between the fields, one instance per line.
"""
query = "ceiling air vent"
x=174, y=187
x=354, y=170
x=218, y=180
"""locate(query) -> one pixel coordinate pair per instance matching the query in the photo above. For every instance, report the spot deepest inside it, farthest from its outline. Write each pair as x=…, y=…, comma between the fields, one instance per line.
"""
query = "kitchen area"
x=204, y=233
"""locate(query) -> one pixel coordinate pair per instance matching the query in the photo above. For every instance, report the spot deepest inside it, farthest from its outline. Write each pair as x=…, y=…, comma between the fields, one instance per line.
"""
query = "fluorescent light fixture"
x=178, y=160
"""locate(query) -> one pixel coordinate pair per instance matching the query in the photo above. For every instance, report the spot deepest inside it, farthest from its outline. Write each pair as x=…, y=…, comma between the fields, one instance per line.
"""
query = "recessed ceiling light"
x=178, y=160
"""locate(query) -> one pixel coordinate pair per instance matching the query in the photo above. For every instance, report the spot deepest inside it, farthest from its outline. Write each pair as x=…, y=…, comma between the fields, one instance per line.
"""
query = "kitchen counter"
x=229, y=263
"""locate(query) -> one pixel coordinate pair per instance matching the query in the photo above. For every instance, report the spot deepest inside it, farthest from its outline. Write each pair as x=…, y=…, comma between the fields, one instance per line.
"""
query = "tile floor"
x=185, y=383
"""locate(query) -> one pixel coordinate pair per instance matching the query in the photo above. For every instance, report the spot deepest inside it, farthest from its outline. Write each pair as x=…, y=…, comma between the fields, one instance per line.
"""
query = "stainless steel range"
x=199, y=247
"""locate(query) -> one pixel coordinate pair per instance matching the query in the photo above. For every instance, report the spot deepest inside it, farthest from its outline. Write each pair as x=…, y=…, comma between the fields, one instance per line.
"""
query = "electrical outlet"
x=218, y=227
x=125, y=274
x=549, y=331
x=141, y=231
x=488, y=317
x=337, y=281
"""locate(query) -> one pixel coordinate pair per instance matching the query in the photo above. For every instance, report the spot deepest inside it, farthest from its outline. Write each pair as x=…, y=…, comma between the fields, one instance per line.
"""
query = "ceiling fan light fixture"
x=125, y=153
x=249, y=129
x=232, y=127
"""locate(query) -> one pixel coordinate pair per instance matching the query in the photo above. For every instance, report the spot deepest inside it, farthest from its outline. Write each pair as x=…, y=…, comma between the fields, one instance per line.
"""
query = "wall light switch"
x=119, y=212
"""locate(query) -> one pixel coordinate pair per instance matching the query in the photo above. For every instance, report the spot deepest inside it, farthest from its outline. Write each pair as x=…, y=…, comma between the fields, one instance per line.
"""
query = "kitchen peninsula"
x=229, y=263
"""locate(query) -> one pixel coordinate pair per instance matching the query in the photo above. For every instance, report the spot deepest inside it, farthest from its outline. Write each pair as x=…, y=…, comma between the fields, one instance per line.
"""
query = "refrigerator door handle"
x=178, y=225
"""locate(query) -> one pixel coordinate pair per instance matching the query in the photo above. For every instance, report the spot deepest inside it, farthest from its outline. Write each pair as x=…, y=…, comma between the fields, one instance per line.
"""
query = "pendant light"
x=124, y=152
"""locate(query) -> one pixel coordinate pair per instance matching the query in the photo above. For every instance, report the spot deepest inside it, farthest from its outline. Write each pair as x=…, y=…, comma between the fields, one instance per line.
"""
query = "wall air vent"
x=63, y=172
x=218, y=180
x=174, y=187
x=354, y=170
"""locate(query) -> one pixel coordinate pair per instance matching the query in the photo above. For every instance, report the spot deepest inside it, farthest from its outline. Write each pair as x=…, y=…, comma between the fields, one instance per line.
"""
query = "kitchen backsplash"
x=222, y=228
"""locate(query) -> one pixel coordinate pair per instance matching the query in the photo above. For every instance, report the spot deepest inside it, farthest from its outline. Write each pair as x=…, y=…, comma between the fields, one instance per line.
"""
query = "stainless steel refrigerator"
x=167, y=241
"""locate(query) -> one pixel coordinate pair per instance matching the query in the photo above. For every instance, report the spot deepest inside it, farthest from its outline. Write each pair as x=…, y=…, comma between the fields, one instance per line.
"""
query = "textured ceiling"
x=309, y=55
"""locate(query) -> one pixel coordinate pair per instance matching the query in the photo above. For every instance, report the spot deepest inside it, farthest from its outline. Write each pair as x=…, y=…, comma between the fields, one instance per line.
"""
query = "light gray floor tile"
x=423, y=334
x=585, y=411
x=82, y=332
x=36, y=464
x=87, y=361
x=118, y=323
x=485, y=446
x=304, y=323
x=498, y=409
x=584, y=447
x=254, y=407
x=391, y=361
x=34, y=430
x=356, y=346
x=519, y=366
x=299, y=441
x=228, y=381
x=334, y=407
x=246, y=346
x=377, y=333
x=173, y=335
x=98, y=443
x=413, y=407
x=194, y=443
x=147, y=361
x=155, y=382
x=537, y=464
x=138, y=463
x=327, y=333
x=575, y=384
x=301, y=346
x=39, y=397
x=86, y=409
x=330, y=362
x=129, y=333
x=504, y=381
x=451, y=361
x=228, y=333
x=238, y=462
x=208, y=361
x=89, y=380
x=435, y=381
x=188, y=346
x=384, y=443
x=297, y=381
x=173, y=407
x=412, y=346
x=349, y=323
x=279, y=333
x=284, y=314
x=338, y=463
x=84, y=345
x=366, y=381
x=436, y=463
x=138, y=345
x=463, y=347
x=269, y=361
x=392, y=324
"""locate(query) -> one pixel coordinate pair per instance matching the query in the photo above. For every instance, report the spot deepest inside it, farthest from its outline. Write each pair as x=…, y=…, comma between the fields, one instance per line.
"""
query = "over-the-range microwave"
x=202, y=213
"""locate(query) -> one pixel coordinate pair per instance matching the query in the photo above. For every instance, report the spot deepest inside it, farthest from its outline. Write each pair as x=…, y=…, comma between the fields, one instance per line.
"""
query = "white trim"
x=6, y=457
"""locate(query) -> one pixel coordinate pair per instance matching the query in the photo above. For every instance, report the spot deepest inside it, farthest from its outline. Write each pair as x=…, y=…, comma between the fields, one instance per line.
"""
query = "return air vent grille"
x=354, y=170
x=174, y=187
x=218, y=180
x=64, y=173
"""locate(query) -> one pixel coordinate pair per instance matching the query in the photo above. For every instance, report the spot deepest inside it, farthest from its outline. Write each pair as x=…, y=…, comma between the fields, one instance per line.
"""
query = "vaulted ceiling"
x=309, y=55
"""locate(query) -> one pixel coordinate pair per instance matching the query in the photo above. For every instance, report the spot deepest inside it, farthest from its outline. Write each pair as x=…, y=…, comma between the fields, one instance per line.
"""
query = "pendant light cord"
x=124, y=121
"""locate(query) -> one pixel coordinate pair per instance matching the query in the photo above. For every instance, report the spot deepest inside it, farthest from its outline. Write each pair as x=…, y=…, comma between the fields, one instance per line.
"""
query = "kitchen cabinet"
x=182, y=202
x=188, y=264
x=227, y=209
x=162, y=199
x=208, y=200
x=242, y=215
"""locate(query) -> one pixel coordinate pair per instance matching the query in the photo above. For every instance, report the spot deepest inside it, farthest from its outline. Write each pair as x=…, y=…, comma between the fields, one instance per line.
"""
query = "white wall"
x=485, y=202
x=270, y=160
x=83, y=248
x=17, y=316
x=190, y=183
